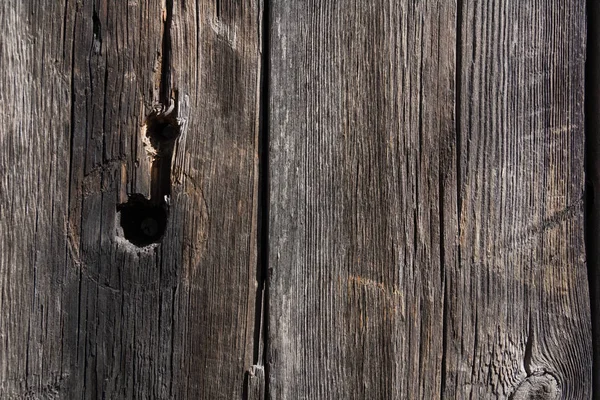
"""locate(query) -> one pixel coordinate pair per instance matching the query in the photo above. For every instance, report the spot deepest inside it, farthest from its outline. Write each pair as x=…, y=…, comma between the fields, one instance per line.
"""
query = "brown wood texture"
x=426, y=221
x=518, y=301
x=84, y=313
x=408, y=176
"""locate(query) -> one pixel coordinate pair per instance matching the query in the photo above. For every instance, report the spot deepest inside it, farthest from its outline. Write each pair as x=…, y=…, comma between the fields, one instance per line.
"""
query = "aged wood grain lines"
x=409, y=174
x=86, y=314
x=427, y=200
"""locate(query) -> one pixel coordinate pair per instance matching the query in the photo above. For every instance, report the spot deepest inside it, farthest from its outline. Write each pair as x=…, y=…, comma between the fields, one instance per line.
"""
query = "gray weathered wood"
x=361, y=141
x=425, y=214
x=517, y=303
x=426, y=221
x=83, y=312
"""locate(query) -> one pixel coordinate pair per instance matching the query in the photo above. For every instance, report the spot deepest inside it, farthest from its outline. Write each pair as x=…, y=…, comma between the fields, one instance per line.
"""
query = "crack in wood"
x=143, y=220
x=261, y=301
x=528, y=347
x=165, y=66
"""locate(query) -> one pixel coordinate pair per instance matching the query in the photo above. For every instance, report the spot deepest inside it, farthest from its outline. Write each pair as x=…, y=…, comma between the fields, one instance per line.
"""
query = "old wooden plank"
x=38, y=287
x=426, y=219
x=361, y=142
x=84, y=313
x=517, y=306
x=216, y=62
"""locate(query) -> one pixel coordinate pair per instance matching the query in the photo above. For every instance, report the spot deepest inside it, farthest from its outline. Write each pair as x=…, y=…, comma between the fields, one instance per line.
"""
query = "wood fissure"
x=144, y=220
x=262, y=268
x=263, y=188
x=445, y=164
x=165, y=65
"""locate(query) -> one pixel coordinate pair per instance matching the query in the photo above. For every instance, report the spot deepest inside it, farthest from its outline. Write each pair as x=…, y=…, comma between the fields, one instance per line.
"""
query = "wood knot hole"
x=540, y=386
x=144, y=221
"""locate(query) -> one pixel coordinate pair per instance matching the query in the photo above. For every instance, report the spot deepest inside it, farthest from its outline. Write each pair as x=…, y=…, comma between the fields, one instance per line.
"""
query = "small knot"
x=542, y=386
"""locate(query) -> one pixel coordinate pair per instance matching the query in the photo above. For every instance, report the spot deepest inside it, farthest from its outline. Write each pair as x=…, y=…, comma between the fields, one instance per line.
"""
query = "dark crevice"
x=261, y=312
x=442, y=168
x=592, y=172
x=165, y=66
x=261, y=303
x=442, y=193
x=528, y=347
x=263, y=209
x=97, y=32
x=246, y=386
x=104, y=112
x=444, y=339
x=458, y=104
x=72, y=118
x=264, y=176
x=143, y=220
x=261, y=297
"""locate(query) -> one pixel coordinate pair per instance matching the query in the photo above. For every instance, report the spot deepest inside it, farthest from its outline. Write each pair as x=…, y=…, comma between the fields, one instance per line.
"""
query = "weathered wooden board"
x=84, y=313
x=425, y=233
x=426, y=220
x=517, y=303
x=362, y=143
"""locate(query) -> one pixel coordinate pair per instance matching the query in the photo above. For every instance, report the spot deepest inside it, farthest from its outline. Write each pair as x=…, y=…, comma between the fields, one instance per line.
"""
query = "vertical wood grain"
x=517, y=293
x=425, y=232
x=83, y=312
x=427, y=201
x=216, y=67
x=35, y=59
x=361, y=124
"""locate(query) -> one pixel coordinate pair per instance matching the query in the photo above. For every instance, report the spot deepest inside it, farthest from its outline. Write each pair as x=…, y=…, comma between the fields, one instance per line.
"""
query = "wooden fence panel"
x=517, y=303
x=426, y=221
x=425, y=199
x=362, y=149
x=105, y=99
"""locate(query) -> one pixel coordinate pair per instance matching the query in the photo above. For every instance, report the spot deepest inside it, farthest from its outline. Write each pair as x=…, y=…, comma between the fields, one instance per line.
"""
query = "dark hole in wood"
x=143, y=220
x=97, y=31
x=143, y=223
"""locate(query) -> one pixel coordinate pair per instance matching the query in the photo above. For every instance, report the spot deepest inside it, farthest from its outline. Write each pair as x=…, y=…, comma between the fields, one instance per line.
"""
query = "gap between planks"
x=592, y=187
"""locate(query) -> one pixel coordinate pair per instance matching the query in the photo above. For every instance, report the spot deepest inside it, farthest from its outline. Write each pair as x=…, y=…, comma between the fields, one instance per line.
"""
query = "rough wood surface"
x=84, y=313
x=517, y=307
x=361, y=113
x=426, y=221
x=423, y=200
